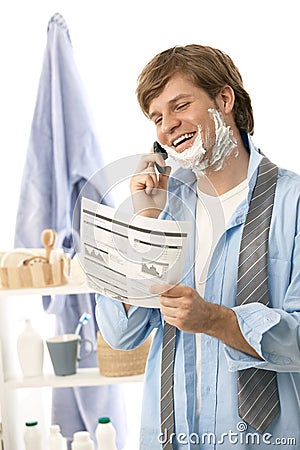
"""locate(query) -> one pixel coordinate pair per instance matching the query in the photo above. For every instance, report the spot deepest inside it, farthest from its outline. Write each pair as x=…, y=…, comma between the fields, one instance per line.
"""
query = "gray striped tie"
x=257, y=388
x=166, y=393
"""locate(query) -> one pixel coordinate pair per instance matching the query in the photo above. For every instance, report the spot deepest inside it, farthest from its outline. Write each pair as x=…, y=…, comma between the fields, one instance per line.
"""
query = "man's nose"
x=169, y=123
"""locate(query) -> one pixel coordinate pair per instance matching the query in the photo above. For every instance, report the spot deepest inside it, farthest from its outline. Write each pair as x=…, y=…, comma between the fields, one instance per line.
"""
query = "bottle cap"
x=81, y=436
x=104, y=420
x=31, y=424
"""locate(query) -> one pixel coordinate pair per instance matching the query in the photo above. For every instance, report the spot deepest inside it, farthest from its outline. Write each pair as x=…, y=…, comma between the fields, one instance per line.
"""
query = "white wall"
x=113, y=40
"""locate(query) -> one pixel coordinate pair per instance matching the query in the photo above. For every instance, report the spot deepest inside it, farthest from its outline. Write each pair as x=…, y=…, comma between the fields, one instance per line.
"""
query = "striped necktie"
x=166, y=392
x=257, y=388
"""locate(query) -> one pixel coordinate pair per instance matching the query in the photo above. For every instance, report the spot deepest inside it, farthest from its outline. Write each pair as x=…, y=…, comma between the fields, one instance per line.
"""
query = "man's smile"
x=182, y=138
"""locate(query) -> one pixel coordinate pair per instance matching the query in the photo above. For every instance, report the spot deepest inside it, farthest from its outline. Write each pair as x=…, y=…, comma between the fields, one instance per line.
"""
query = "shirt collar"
x=255, y=158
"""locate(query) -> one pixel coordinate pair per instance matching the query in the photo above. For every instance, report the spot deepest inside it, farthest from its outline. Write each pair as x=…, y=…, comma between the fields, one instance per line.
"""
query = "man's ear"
x=225, y=99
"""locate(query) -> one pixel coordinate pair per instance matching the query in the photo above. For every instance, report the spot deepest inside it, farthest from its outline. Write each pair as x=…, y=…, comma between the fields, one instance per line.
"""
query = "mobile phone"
x=159, y=149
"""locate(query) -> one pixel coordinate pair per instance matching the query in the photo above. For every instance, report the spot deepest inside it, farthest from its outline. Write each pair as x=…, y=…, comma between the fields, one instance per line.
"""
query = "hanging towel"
x=64, y=157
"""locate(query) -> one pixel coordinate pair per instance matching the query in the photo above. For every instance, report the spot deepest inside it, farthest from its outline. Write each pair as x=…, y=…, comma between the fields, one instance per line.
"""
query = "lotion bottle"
x=105, y=434
x=55, y=440
x=30, y=348
x=32, y=436
x=82, y=441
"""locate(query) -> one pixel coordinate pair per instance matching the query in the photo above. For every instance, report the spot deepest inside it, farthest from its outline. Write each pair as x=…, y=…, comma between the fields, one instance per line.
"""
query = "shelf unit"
x=9, y=382
x=83, y=377
x=69, y=288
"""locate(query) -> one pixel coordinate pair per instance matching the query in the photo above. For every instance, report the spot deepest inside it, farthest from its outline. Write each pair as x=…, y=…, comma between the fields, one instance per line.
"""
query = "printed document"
x=123, y=255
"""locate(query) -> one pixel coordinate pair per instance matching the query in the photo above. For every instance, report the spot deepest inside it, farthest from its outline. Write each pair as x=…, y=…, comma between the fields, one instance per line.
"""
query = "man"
x=203, y=117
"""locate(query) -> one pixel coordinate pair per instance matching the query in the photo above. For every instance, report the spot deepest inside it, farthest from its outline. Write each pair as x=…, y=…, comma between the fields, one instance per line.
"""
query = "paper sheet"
x=124, y=255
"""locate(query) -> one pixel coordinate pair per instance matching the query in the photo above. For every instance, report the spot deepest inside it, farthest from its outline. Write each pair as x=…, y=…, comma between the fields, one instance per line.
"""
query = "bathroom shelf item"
x=9, y=382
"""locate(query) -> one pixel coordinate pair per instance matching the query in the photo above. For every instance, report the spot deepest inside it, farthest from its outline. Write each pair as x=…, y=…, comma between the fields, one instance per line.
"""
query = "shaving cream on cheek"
x=202, y=157
x=225, y=142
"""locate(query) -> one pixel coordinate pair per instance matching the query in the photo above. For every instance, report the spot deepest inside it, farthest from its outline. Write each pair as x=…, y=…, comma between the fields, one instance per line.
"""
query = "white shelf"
x=83, y=377
x=69, y=288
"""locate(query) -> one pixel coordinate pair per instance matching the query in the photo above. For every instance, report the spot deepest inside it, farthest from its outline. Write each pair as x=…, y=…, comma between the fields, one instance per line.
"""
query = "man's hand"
x=184, y=308
x=148, y=189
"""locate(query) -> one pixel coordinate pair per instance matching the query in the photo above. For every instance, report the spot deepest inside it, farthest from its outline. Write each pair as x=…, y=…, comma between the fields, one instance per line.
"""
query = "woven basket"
x=121, y=363
x=38, y=275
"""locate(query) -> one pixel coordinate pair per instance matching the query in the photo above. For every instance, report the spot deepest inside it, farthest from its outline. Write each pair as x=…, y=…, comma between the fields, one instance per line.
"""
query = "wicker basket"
x=121, y=363
x=38, y=275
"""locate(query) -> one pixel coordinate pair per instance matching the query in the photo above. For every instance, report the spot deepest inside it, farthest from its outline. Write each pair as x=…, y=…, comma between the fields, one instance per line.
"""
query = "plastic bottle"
x=56, y=441
x=30, y=348
x=105, y=434
x=82, y=441
x=32, y=436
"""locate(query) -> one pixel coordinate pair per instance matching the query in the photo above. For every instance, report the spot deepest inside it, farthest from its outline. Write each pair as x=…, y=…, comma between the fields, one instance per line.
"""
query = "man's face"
x=178, y=113
x=191, y=126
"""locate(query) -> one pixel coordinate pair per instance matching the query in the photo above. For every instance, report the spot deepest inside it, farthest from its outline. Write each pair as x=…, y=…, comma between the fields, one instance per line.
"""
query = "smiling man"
x=234, y=317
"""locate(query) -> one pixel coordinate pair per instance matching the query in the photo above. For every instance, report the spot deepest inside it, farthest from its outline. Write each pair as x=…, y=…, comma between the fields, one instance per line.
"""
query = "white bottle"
x=105, y=434
x=56, y=441
x=82, y=441
x=32, y=436
x=30, y=347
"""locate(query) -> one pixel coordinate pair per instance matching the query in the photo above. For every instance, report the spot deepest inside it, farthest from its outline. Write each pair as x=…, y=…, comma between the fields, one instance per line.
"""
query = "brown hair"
x=207, y=67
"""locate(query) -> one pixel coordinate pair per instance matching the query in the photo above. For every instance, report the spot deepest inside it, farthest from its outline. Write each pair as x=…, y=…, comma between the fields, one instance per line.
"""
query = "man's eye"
x=182, y=106
x=158, y=120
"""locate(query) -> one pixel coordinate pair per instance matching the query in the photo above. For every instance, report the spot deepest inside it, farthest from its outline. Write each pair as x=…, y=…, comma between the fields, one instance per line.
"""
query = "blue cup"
x=65, y=352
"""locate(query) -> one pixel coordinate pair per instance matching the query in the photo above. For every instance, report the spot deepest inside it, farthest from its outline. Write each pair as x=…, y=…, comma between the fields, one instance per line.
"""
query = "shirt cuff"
x=114, y=309
x=254, y=320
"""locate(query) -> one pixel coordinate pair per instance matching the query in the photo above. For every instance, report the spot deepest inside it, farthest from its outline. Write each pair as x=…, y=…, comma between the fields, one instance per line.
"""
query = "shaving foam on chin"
x=202, y=157
x=189, y=156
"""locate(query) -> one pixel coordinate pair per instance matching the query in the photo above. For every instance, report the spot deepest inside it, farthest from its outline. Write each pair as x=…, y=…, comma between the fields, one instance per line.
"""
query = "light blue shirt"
x=273, y=332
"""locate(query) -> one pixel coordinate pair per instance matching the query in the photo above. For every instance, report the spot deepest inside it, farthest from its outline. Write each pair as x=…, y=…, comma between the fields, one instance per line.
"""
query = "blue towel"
x=62, y=158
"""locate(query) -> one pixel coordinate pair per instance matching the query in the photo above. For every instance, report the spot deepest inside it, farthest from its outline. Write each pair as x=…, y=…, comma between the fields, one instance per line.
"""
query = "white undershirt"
x=212, y=215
